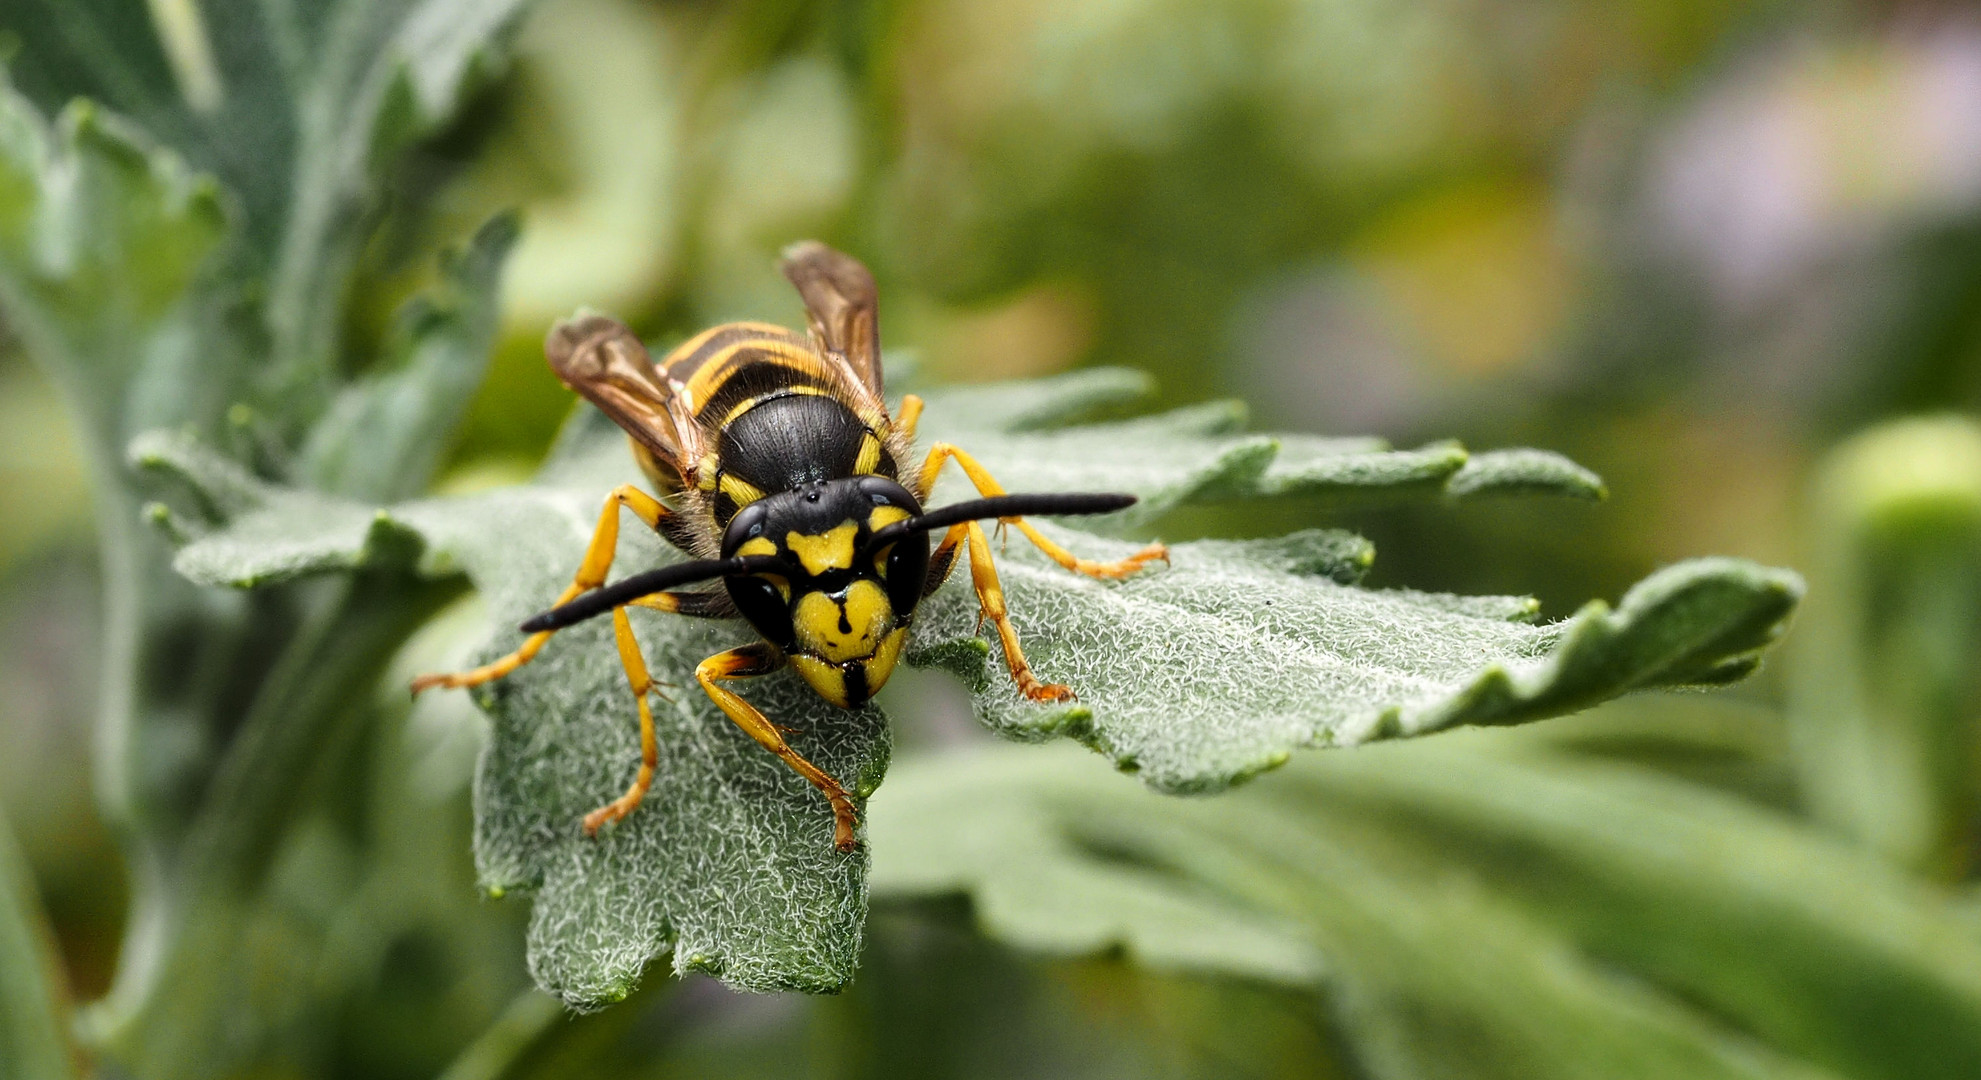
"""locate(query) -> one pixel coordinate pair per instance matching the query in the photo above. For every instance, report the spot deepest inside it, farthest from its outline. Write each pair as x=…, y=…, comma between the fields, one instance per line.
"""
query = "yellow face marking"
x=831, y=550
x=837, y=631
x=761, y=545
x=742, y=492
x=882, y=517
x=869, y=458
x=881, y=664
x=711, y=468
x=826, y=679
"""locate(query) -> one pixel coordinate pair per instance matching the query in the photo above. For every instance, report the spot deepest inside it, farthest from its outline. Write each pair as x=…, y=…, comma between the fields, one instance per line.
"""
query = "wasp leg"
x=943, y=559
x=990, y=605
x=911, y=414
x=761, y=659
x=642, y=684
x=591, y=574
x=987, y=486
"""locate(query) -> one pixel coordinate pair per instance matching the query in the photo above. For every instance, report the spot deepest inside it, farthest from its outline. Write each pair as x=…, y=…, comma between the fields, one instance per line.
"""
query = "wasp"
x=777, y=469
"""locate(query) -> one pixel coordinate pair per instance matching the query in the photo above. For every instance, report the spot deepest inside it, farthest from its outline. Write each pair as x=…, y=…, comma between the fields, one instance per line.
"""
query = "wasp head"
x=839, y=607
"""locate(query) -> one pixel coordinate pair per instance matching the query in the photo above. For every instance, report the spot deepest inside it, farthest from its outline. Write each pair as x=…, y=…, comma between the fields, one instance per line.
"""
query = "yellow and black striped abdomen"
x=707, y=360
x=776, y=415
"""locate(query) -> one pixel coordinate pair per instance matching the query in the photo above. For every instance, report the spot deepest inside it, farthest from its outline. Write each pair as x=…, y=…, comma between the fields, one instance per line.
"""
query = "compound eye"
x=906, y=571
x=746, y=525
x=760, y=599
x=880, y=491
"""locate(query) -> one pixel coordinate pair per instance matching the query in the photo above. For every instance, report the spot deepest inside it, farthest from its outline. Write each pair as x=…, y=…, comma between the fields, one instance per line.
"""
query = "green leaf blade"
x=1525, y=471
x=1823, y=950
x=1476, y=905
x=1262, y=662
x=1334, y=467
x=960, y=831
x=1024, y=434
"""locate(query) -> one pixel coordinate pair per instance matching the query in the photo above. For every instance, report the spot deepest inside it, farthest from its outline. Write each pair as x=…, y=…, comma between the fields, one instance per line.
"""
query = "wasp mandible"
x=780, y=468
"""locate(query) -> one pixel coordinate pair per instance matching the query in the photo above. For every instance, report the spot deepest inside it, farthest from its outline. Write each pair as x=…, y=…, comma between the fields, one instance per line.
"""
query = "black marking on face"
x=857, y=691
x=821, y=531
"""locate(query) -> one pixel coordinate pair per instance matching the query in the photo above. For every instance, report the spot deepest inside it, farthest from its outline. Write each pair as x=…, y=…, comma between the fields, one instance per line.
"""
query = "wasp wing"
x=842, y=306
x=601, y=358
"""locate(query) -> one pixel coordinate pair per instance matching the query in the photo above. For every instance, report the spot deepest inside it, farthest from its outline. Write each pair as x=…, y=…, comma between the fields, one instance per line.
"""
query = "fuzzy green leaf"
x=1263, y=648
x=1525, y=471
x=274, y=534
x=1471, y=908
x=1198, y=673
x=1200, y=453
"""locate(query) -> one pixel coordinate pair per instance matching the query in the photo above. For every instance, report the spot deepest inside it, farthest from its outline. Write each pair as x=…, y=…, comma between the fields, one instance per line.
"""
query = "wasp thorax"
x=839, y=607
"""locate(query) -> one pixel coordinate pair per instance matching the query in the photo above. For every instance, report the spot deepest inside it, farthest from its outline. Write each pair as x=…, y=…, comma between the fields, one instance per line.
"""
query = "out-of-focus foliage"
x=1887, y=695
x=175, y=251
x=1690, y=244
x=33, y=999
x=1467, y=903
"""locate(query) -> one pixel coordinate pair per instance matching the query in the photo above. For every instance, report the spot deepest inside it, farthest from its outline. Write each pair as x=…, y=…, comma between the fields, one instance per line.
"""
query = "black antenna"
x=1044, y=504
x=600, y=601
x=626, y=590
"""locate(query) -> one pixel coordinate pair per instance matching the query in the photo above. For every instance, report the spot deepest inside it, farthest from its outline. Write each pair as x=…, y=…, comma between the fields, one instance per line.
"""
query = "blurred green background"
x=1694, y=244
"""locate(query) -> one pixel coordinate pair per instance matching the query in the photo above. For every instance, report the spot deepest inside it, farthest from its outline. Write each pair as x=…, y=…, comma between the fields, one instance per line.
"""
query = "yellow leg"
x=591, y=574
x=990, y=605
x=761, y=659
x=911, y=414
x=642, y=684
x=987, y=486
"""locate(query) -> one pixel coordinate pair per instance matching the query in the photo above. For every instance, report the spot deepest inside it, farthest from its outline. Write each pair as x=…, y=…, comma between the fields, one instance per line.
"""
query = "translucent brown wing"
x=601, y=358
x=842, y=307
